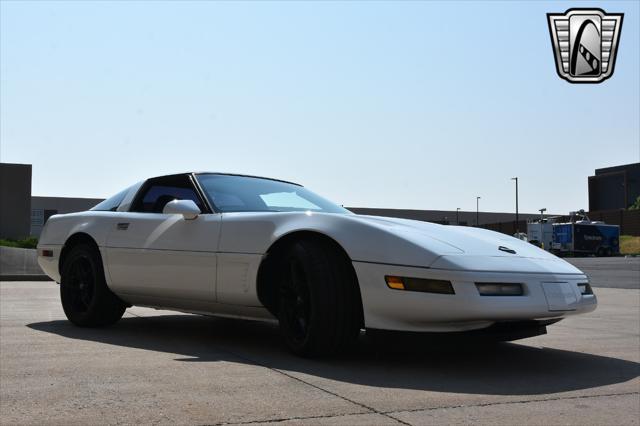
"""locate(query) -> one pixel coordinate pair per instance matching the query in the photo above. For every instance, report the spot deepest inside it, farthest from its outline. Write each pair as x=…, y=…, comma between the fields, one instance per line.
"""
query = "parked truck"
x=581, y=236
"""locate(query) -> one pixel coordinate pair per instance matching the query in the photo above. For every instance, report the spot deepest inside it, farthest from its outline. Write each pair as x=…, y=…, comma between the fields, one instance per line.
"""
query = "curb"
x=24, y=277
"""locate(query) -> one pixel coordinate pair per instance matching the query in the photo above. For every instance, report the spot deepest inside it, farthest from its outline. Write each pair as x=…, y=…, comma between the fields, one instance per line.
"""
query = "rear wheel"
x=86, y=299
x=320, y=311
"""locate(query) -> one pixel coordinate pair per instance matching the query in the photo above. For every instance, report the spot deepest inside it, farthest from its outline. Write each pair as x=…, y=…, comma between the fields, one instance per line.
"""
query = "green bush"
x=636, y=205
x=29, y=243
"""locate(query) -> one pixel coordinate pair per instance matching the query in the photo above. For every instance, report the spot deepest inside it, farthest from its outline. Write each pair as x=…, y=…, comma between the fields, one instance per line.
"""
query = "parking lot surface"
x=168, y=368
x=610, y=272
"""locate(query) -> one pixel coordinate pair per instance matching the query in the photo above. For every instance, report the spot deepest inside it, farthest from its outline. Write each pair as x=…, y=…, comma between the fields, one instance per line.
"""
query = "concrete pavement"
x=168, y=368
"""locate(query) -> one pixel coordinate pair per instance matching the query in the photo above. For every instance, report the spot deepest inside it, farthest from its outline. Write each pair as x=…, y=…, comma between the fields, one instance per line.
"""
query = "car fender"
x=362, y=241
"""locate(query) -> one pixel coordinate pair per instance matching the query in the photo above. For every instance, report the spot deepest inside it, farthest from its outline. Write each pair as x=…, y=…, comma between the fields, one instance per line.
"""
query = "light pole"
x=457, y=216
x=517, y=218
x=477, y=211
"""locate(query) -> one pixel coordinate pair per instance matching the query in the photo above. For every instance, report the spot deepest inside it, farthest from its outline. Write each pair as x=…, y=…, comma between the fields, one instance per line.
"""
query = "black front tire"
x=320, y=310
x=86, y=299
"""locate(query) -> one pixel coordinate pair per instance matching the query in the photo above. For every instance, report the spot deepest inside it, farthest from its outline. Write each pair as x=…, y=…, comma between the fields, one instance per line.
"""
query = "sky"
x=422, y=105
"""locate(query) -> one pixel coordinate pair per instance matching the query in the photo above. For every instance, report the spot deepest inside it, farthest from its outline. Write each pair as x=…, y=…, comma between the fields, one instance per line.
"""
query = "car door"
x=164, y=256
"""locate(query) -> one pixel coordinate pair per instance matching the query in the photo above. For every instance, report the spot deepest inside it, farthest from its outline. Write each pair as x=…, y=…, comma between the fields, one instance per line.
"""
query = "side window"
x=156, y=193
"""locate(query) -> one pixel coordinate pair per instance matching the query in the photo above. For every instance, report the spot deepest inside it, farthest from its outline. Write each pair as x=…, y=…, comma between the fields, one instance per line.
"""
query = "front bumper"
x=48, y=259
x=546, y=296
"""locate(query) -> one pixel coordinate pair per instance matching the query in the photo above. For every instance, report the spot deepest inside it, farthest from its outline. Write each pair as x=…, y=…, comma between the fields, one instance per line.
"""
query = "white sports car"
x=244, y=246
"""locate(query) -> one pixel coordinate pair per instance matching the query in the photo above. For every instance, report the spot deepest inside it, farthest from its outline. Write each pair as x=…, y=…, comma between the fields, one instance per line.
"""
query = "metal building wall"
x=15, y=200
x=44, y=207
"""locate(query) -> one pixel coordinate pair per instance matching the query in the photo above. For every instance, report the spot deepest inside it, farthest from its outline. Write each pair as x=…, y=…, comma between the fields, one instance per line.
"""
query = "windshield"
x=229, y=193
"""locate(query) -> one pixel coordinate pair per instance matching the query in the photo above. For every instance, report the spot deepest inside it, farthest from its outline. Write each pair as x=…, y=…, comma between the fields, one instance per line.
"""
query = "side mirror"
x=187, y=208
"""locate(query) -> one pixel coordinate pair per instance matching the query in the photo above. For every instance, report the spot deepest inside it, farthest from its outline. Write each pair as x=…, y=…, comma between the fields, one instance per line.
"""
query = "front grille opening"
x=585, y=288
x=500, y=289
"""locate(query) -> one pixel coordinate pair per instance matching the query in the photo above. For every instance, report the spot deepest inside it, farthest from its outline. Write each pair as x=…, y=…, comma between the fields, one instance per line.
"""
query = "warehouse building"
x=15, y=200
x=614, y=188
x=447, y=217
x=42, y=208
x=22, y=214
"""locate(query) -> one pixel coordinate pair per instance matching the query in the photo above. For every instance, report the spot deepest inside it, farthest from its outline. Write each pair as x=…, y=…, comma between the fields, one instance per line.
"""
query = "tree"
x=636, y=205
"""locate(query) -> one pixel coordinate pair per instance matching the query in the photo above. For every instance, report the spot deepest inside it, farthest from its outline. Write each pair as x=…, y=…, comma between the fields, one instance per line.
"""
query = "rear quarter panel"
x=59, y=228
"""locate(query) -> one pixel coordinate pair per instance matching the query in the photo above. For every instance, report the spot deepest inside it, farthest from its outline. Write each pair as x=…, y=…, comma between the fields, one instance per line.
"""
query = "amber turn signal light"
x=424, y=285
x=394, y=282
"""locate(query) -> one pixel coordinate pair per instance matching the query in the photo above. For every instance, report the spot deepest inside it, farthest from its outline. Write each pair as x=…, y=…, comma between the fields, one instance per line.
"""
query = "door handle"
x=122, y=226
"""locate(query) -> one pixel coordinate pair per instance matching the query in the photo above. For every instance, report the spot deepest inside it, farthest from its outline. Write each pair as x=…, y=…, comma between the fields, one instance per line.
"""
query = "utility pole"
x=457, y=216
x=542, y=229
x=517, y=217
x=477, y=211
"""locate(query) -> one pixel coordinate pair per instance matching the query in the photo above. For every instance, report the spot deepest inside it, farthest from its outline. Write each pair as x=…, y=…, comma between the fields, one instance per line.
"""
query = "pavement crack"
x=522, y=401
x=276, y=370
x=285, y=419
x=388, y=414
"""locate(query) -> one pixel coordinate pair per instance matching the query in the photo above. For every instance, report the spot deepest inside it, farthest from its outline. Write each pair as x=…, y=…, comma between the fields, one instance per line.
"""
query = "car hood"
x=469, y=248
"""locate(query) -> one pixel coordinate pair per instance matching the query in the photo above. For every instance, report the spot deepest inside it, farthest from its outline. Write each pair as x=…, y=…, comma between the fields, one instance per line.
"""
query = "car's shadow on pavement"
x=500, y=369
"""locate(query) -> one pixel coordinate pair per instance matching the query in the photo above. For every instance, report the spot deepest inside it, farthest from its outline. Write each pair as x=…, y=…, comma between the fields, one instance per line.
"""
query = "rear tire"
x=320, y=311
x=86, y=299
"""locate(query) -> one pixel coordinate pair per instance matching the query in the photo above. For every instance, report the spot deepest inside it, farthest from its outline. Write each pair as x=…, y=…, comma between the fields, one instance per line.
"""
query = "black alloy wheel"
x=320, y=309
x=86, y=299
x=80, y=285
x=295, y=301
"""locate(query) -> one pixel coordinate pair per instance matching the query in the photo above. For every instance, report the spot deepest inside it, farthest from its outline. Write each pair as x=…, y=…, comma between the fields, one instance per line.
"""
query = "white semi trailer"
x=540, y=232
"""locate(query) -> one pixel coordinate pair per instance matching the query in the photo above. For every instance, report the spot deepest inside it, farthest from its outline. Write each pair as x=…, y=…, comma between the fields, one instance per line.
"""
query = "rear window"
x=111, y=204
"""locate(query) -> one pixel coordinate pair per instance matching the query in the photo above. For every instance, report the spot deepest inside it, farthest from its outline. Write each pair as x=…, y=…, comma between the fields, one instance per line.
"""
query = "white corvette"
x=243, y=246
